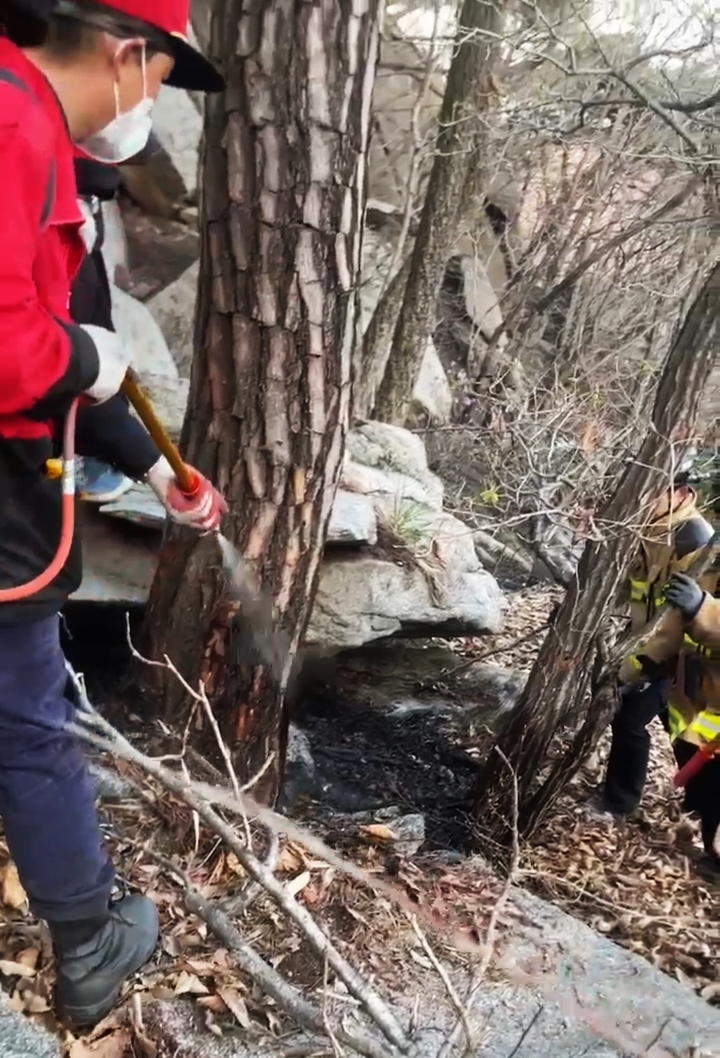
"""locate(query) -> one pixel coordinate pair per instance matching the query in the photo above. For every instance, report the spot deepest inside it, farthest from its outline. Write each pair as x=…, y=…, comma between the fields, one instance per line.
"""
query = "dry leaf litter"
x=633, y=882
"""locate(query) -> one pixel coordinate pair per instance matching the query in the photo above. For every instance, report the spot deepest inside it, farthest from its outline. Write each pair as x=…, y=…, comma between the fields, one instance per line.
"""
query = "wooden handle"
x=186, y=477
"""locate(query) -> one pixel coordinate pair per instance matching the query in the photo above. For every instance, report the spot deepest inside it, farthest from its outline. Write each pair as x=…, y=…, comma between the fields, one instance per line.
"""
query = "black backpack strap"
x=8, y=77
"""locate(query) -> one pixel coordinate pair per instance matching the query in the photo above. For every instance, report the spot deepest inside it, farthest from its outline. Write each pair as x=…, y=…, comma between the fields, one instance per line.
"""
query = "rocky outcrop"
x=174, y=310
x=395, y=565
x=366, y=597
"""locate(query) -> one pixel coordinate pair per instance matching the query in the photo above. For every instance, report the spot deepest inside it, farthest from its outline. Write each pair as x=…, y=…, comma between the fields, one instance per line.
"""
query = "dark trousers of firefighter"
x=46, y=794
x=630, y=747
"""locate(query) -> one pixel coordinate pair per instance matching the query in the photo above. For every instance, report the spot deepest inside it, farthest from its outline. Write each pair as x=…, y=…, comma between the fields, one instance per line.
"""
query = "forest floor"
x=635, y=883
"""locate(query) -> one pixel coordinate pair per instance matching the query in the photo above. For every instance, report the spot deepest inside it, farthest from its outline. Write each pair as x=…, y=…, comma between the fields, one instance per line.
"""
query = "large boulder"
x=388, y=460
x=174, y=310
x=395, y=564
x=138, y=328
x=362, y=597
x=178, y=125
x=353, y=520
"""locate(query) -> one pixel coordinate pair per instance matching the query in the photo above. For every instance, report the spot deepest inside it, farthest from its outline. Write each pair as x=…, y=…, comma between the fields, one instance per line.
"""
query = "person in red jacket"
x=87, y=75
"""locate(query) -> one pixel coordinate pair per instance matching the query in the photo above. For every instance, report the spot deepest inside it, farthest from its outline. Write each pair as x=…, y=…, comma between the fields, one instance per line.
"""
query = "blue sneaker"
x=100, y=483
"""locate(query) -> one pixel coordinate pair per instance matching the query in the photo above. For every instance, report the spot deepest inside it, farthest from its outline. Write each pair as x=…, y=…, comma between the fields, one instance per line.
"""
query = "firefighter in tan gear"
x=671, y=540
x=688, y=640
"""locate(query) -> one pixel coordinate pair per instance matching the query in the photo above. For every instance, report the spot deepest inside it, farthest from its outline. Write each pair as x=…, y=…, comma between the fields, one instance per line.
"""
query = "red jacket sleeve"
x=44, y=362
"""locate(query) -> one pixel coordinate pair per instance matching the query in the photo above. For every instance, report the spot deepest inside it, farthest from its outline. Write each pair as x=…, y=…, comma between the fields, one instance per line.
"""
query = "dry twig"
x=114, y=742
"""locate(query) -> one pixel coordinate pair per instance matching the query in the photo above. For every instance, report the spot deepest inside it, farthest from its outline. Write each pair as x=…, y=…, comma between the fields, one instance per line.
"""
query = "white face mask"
x=127, y=134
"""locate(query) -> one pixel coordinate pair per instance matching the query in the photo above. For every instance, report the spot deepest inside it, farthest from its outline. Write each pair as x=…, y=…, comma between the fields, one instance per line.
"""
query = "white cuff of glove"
x=114, y=359
x=160, y=477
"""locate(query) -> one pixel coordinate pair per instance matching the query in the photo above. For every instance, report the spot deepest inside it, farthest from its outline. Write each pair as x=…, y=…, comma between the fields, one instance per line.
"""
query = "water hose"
x=32, y=587
x=187, y=480
x=695, y=765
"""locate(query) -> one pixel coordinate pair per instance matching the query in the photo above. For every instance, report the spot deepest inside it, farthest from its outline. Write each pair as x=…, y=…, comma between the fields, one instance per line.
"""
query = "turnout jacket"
x=689, y=649
x=662, y=551
x=45, y=360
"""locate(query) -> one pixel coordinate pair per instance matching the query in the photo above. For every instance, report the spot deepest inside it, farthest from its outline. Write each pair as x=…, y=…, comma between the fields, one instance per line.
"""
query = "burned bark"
x=469, y=92
x=557, y=683
x=281, y=221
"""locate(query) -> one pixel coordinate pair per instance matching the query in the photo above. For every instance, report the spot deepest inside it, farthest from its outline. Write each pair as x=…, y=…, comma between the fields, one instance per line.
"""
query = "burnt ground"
x=366, y=757
x=366, y=760
x=369, y=748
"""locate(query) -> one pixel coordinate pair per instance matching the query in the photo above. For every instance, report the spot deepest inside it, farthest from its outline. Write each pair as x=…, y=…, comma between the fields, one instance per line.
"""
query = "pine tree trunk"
x=469, y=92
x=281, y=220
x=556, y=686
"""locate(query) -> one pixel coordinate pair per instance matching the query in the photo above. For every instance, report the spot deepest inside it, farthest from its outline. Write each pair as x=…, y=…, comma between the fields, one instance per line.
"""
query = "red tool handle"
x=688, y=771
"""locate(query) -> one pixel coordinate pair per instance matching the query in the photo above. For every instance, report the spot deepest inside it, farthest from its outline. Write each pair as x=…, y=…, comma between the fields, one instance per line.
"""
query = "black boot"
x=94, y=957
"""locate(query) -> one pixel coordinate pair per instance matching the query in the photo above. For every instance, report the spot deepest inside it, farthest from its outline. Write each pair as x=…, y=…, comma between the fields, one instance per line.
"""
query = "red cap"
x=192, y=70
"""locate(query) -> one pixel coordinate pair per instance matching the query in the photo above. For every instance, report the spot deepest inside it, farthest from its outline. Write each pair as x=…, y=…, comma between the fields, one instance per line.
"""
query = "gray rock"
x=353, y=520
x=174, y=311
x=140, y=506
x=409, y=834
x=136, y=326
x=22, y=1038
x=387, y=447
x=432, y=394
x=618, y=989
x=400, y=490
x=593, y=1000
x=362, y=598
x=300, y=773
x=178, y=126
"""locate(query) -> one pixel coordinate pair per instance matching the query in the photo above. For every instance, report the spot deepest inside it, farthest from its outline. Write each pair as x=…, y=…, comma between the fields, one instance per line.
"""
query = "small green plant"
x=408, y=524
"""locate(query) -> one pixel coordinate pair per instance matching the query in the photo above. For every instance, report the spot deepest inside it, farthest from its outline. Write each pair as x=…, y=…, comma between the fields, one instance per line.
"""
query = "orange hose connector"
x=32, y=587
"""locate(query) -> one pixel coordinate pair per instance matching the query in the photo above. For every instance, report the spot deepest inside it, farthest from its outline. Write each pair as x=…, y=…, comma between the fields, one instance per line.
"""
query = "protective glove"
x=684, y=594
x=202, y=511
x=114, y=357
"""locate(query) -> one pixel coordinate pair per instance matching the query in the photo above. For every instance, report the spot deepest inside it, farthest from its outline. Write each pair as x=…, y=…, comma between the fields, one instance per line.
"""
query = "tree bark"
x=377, y=343
x=281, y=221
x=558, y=680
x=469, y=91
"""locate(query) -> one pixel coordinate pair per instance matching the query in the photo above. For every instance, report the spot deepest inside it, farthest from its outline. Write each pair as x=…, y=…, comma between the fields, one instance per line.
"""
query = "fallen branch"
x=189, y=792
x=287, y=997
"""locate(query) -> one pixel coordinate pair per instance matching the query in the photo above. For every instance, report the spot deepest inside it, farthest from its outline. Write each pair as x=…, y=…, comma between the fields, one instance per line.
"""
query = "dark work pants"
x=702, y=794
x=46, y=796
x=630, y=747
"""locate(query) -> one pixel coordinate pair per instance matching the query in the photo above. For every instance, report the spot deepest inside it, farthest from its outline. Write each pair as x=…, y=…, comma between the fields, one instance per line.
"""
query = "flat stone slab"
x=22, y=1038
x=597, y=1001
x=607, y=986
x=119, y=560
x=140, y=506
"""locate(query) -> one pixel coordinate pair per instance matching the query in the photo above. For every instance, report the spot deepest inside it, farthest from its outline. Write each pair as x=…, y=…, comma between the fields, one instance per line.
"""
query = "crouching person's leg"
x=630, y=748
x=51, y=826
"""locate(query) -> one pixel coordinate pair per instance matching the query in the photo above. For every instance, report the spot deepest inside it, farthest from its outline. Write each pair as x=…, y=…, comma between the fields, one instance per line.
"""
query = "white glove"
x=114, y=357
x=203, y=510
